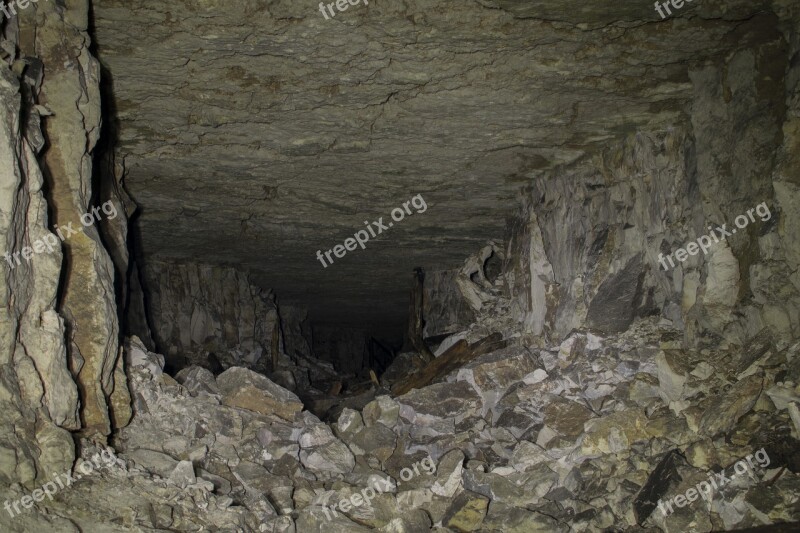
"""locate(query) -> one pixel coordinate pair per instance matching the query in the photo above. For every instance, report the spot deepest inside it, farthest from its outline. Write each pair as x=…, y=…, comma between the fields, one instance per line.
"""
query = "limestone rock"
x=467, y=512
x=725, y=410
x=377, y=441
x=383, y=409
x=138, y=357
x=314, y=520
x=437, y=406
x=197, y=379
x=350, y=422
x=245, y=389
x=199, y=310
x=416, y=520
x=448, y=474
x=615, y=432
x=565, y=417
x=493, y=373
x=155, y=462
x=183, y=475
x=520, y=520
x=672, y=376
x=321, y=450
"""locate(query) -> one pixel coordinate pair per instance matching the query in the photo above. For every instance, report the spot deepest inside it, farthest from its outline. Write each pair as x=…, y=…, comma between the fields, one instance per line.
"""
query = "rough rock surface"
x=198, y=309
x=322, y=124
x=564, y=438
x=245, y=389
x=59, y=360
x=621, y=385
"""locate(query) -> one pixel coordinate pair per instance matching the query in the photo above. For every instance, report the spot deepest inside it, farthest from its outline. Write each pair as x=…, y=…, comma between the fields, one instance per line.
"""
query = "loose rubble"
x=583, y=436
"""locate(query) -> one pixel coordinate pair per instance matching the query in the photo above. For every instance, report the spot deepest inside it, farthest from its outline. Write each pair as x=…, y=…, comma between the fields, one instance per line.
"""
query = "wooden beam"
x=416, y=322
x=276, y=343
x=455, y=357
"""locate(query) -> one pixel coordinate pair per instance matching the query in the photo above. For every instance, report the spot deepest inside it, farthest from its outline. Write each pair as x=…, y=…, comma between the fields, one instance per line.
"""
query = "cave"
x=477, y=266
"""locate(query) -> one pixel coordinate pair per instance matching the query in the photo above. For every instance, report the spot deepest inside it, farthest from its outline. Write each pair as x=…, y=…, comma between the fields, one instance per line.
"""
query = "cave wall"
x=346, y=349
x=197, y=309
x=60, y=369
x=584, y=248
x=444, y=308
x=297, y=331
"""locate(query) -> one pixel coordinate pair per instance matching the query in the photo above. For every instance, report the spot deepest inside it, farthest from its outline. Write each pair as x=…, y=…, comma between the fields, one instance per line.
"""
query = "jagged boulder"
x=246, y=389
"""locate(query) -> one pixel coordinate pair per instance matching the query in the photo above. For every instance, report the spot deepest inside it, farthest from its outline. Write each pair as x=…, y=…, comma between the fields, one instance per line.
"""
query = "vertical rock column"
x=38, y=397
x=71, y=92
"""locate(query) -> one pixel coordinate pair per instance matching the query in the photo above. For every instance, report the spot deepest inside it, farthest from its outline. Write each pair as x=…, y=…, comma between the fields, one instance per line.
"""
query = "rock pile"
x=588, y=435
x=584, y=436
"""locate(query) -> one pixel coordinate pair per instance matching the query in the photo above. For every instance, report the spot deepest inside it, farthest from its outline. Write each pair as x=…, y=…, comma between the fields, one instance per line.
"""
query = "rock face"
x=197, y=310
x=587, y=242
x=59, y=360
x=72, y=132
x=592, y=433
x=624, y=386
x=338, y=107
x=247, y=390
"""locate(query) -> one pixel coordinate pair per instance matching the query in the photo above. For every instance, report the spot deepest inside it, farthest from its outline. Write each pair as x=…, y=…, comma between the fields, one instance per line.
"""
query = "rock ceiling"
x=255, y=133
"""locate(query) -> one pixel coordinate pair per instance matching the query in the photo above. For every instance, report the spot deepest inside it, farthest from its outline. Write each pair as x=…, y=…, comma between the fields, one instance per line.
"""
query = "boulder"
x=246, y=389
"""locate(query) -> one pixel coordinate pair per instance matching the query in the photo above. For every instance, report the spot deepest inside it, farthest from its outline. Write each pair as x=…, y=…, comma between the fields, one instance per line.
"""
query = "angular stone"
x=245, y=389
x=726, y=409
x=221, y=485
x=615, y=433
x=278, y=489
x=467, y=512
x=612, y=308
x=333, y=457
x=526, y=455
x=155, y=462
x=672, y=375
x=376, y=441
x=316, y=435
x=496, y=487
x=500, y=369
x=643, y=389
x=565, y=417
x=756, y=348
x=661, y=479
x=782, y=396
x=350, y=422
x=413, y=521
x=383, y=409
x=316, y=520
x=448, y=474
x=197, y=379
x=183, y=475
x=439, y=402
x=510, y=519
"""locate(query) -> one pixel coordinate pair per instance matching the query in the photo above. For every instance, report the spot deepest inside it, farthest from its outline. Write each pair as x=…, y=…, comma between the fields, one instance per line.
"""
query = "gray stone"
x=448, y=474
x=383, y=409
x=183, y=475
x=519, y=520
x=245, y=389
x=155, y=462
x=726, y=409
x=197, y=379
